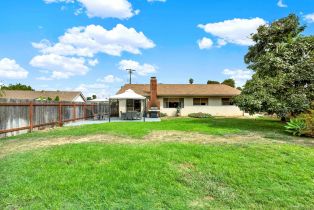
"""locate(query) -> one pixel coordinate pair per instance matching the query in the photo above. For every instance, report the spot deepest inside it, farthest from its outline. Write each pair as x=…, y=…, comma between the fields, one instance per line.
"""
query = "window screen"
x=226, y=101
x=173, y=102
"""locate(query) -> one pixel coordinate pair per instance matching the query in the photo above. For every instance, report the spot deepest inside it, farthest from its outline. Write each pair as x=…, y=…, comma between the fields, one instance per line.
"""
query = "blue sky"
x=84, y=44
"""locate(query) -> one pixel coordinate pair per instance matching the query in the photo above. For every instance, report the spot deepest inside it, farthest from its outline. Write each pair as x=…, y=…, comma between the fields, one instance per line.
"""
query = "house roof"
x=99, y=100
x=32, y=95
x=183, y=89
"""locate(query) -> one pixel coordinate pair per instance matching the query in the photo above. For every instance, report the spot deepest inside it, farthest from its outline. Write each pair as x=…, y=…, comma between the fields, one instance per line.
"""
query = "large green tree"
x=283, y=62
x=229, y=82
x=17, y=86
x=212, y=82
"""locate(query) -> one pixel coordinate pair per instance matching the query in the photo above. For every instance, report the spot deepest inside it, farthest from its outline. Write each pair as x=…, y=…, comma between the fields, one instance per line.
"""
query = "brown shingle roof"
x=184, y=89
x=32, y=95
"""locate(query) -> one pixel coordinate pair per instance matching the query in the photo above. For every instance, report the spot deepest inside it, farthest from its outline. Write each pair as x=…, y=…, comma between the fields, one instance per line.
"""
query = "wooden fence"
x=20, y=116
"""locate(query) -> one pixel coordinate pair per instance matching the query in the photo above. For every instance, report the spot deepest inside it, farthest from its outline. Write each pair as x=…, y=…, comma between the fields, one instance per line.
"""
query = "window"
x=133, y=105
x=200, y=101
x=173, y=102
x=226, y=101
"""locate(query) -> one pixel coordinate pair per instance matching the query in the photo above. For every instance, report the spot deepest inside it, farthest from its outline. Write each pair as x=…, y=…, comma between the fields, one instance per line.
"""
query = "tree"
x=283, y=63
x=89, y=98
x=57, y=98
x=1, y=92
x=191, y=81
x=212, y=82
x=229, y=82
x=94, y=96
x=17, y=86
x=239, y=88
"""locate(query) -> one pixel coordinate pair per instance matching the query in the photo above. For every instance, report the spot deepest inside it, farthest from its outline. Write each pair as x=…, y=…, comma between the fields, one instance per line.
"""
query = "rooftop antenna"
x=130, y=72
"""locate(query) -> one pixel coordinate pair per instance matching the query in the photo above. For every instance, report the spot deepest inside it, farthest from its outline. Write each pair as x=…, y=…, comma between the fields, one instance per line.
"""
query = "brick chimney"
x=153, y=102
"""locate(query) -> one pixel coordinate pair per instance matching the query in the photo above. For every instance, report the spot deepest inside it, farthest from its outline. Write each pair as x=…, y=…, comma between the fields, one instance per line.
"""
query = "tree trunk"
x=283, y=119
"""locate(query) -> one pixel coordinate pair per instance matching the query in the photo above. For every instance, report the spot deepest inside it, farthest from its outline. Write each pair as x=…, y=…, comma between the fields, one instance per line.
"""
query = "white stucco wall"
x=79, y=99
x=122, y=106
x=214, y=108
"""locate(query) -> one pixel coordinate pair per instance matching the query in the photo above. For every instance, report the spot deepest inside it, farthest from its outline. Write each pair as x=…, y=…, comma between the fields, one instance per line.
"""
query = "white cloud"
x=281, y=4
x=309, y=18
x=103, y=88
x=240, y=76
x=60, y=67
x=205, y=43
x=110, y=79
x=9, y=69
x=93, y=62
x=121, y=9
x=44, y=78
x=141, y=69
x=92, y=39
x=78, y=11
x=235, y=31
x=98, y=89
x=221, y=42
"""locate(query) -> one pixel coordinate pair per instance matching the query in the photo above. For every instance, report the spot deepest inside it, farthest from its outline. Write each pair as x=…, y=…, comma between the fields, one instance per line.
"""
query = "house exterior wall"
x=79, y=99
x=122, y=106
x=214, y=107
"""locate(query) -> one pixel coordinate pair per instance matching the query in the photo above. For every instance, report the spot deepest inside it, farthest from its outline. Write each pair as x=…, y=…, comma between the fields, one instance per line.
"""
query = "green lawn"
x=216, y=126
x=170, y=175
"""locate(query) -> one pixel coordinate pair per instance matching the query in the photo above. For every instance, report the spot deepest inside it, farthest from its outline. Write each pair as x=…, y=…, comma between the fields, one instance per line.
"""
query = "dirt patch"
x=202, y=202
x=181, y=136
x=186, y=166
x=14, y=146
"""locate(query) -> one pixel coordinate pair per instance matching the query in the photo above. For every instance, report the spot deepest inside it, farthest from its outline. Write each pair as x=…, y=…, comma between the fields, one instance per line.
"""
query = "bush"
x=296, y=126
x=309, y=123
x=303, y=125
x=163, y=114
x=200, y=115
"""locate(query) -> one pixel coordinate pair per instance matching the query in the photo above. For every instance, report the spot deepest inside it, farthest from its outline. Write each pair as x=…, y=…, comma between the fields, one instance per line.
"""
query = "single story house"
x=69, y=96
x=214, y=99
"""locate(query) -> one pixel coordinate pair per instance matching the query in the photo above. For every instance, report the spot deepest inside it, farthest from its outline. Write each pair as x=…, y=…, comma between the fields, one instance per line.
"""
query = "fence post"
x=60, y=114
x=30, y=116
x=93, y=110
x=74, y=112
x=84, y=111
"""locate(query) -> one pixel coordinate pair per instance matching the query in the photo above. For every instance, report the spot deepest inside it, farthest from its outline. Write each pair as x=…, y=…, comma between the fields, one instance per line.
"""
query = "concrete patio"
x=112, y=120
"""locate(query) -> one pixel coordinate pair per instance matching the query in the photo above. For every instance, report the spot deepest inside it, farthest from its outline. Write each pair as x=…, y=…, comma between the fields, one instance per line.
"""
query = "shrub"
x=178, y=113
x=200, y=115
x=296, y=126
x=309, y=123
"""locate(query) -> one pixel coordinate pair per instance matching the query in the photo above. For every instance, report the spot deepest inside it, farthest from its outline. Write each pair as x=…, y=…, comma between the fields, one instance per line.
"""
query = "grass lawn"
x=217, y=126
x=271, y=173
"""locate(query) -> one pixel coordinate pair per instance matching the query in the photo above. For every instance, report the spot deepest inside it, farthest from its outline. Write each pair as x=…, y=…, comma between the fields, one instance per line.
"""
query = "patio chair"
x=138, y=115
x=123, y=115
x=129, y=116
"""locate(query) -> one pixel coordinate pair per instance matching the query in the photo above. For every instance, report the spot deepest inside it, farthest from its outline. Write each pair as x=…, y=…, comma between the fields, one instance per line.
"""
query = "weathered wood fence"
x=20, y=116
